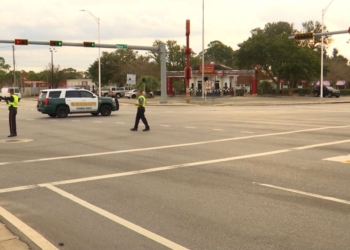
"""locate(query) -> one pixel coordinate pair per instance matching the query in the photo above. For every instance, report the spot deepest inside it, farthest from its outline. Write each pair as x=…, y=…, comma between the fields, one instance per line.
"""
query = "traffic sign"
x=121, y=46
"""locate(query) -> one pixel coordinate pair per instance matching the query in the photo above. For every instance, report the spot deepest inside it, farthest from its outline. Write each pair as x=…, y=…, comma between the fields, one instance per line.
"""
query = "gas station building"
x=217, y=78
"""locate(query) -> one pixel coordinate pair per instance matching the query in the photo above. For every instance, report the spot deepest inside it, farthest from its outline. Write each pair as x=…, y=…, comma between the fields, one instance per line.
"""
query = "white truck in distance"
x=112, y=92
x=4, y=92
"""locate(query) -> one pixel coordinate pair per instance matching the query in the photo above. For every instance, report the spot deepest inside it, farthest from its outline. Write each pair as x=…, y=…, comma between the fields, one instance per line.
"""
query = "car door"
x=89, y=101
x=73, y=100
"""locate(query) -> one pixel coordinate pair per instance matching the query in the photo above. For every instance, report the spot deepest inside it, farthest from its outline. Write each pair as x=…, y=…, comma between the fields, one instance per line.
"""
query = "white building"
x=81, y=83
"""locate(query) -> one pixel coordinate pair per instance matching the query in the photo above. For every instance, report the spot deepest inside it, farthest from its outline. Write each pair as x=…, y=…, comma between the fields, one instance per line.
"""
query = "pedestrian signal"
x=21, y=41
x=304, y=36
x=89, y=44
x=56, y=43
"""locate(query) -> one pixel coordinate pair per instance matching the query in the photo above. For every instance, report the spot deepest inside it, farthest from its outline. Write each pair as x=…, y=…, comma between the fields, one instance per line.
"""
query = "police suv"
x=61, y=102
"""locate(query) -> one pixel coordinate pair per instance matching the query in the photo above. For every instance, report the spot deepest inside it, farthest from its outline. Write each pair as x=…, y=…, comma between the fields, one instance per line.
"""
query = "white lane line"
x=21, y=188
x=305, y=193
x=174, y=145
x=37, y=238
x=135, y=172
x=166, y=126
x=217, y=129
x=190, y=127
x=321, y=144
x=117, y=219
x=341, y=158
x=247, y=132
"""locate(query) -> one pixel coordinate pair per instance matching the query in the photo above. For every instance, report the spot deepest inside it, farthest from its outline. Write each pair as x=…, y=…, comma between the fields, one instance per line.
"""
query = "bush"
x=264, y=87
x=240, y=92
x=302, y=91
x=345, y=91
x=286, y=91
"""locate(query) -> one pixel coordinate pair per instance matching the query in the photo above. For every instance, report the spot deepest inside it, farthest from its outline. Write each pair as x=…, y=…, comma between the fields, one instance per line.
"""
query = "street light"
x=203, y=49
x=99, y=62
x=52, y=50
x=321, y=83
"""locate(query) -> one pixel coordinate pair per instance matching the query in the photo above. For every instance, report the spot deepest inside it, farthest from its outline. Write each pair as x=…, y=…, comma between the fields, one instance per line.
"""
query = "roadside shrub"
x=264, y=87
x=345, y=91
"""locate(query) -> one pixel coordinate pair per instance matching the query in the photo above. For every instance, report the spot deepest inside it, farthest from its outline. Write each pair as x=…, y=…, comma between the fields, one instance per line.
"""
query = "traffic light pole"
x=310, y=35
x=327, y=33
x=161, y=49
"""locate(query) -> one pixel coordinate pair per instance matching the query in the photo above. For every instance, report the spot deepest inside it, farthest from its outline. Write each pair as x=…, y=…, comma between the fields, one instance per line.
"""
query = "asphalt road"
x=204, y=177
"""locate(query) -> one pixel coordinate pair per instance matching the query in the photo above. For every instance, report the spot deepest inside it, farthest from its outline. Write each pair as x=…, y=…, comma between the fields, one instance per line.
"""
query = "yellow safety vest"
x=14, y=103
x=144, y=101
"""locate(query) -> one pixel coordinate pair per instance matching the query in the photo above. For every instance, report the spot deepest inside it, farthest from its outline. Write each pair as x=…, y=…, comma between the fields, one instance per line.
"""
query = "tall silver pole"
x=14, y=66
x=99, y=44
x=203, y=49
x=322, y=39
x=99, y=59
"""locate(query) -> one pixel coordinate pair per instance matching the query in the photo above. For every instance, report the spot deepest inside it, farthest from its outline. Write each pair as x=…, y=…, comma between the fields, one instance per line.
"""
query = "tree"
x=338, y=67
x=150, y=83
x=175, y=55
x=219, y=53
x=316, y=43
x=278, y=56
x=116, y=65
x=3, y=65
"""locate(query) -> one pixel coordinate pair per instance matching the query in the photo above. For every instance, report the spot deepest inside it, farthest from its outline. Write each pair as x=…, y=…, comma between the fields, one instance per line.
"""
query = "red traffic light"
x=304, y=36
x=21, y=41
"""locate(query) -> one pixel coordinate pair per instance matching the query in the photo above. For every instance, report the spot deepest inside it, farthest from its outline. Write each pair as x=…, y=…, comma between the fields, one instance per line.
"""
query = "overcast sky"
x=140, y=22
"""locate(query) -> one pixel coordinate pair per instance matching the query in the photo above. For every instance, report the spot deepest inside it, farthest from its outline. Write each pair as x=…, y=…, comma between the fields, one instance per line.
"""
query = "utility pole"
x=52, y=50
x=14, y=66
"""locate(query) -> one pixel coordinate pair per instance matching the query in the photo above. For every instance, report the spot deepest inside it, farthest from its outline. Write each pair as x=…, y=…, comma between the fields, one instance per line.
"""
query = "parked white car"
x=5, y=92
x=133, y=94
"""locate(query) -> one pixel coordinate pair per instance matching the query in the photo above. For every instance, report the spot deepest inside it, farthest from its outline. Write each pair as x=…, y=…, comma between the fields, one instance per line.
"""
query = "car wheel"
x=337, y=96
x=106, y=110
x=52, y=115
x=62, y=112
x=94, y=114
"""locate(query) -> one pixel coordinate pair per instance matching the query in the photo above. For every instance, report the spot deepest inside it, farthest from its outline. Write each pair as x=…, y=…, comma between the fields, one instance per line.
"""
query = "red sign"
x=208, y=69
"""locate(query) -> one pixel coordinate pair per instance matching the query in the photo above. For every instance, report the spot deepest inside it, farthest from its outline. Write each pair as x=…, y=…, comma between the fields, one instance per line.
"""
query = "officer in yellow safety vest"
x=12, y=103
x=141, y=108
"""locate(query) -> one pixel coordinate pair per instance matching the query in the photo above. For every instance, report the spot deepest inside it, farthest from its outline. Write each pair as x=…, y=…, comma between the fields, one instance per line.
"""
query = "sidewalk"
x=239, y=100
x=8, y=241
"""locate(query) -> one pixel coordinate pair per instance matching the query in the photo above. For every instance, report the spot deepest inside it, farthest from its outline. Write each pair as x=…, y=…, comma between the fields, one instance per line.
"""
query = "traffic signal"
x=55, y=43
x=304, y=36
x=89, y=44
x=21, y=41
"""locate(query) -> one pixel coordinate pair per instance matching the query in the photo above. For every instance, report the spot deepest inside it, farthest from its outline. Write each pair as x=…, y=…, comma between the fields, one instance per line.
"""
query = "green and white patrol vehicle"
x=61, y=102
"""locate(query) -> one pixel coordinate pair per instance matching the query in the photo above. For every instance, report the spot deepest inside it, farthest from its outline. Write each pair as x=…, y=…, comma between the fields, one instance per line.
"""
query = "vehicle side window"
x=43, y=95
x=54, y=94
x=72, y=94
x=86, y=94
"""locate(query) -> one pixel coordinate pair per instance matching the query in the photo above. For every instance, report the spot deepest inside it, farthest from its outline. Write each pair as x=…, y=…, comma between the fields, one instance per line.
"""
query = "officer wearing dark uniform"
x=141, y=108
x=12, y=103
